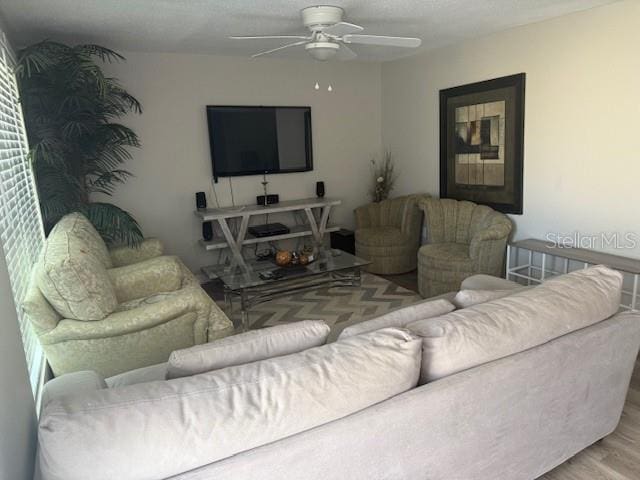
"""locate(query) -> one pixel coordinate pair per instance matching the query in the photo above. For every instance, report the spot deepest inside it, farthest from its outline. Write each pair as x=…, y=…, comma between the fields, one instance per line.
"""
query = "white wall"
x=17, y=410
x=174, y=161
x=582, y=154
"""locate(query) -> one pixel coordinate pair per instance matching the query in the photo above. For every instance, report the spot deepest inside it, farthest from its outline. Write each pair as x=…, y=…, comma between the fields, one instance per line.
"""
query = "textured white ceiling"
x=202, y=26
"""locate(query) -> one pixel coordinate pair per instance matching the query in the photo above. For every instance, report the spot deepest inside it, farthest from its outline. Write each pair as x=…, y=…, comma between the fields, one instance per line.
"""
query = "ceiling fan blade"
x=267, y=37
x=345, y=53
x=279, y=48
x=383, y=40
x=342, y=28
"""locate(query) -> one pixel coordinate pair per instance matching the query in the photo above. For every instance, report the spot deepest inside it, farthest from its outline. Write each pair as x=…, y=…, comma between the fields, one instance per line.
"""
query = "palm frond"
x=115, y=225
x=47, y=151
x=38, y=57
x=120, y=134
x=103, y=53
x=105, y=182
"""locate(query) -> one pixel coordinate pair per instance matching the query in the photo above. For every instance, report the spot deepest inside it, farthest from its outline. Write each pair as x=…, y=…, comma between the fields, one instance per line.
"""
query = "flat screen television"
x=257, y=140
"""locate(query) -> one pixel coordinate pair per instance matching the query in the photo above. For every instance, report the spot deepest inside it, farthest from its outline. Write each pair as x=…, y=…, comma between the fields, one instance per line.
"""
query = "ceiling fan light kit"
x=322, y=50
x=329, y=35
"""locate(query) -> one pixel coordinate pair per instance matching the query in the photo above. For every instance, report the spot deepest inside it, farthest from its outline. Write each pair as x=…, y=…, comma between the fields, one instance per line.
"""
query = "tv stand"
x=312, y=227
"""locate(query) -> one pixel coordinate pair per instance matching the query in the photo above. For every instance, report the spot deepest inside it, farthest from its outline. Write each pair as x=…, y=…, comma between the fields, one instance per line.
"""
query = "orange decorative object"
x=283, y=258
x=304, y=259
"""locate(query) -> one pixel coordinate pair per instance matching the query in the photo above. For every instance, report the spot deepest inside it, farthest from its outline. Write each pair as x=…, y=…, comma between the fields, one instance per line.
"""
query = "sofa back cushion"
x=482, y=333
x=400, y=317
x=160, y=429
x=469, y=298
x=72, y=279
x=78, y=225
x=247, y=347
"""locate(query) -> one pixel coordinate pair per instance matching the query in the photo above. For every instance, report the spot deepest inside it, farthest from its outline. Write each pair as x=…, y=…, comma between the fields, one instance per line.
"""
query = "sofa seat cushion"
x=160, y=429
x=482, y=333
x=248, y=347
x=380, y=236
x=446, y=256
x=73, y=280
x=400, y=317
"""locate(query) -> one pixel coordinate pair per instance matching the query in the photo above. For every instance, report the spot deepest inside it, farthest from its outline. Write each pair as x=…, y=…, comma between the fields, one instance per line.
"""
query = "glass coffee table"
x=250, y=285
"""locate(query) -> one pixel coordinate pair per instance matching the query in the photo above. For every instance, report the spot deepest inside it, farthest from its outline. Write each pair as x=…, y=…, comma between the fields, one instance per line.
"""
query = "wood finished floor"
x=616, y=457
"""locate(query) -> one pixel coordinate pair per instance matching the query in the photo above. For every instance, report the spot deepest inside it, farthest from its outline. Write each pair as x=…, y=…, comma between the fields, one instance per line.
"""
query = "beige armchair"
x=114, y=310
x=463, y=239
x=388, y=234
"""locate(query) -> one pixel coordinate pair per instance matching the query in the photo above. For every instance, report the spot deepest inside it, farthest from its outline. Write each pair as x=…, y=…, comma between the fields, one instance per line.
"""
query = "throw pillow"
x=247, y=347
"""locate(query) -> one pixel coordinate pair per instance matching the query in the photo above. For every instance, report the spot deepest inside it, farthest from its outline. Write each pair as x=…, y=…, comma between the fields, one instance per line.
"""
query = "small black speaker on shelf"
x=207, y=231
x=201, y=200
x=320, y=189
x=267, y=199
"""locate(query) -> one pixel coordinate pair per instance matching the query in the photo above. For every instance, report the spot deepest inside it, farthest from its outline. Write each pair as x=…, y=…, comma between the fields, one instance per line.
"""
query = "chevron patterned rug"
x=338, y=306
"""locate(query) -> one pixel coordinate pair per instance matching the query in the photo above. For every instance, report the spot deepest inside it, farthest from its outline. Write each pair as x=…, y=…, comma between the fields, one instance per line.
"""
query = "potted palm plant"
x=77, y=146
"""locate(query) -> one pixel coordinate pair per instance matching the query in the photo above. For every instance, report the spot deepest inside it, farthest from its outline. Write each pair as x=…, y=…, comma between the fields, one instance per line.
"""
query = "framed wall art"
x=482, y=142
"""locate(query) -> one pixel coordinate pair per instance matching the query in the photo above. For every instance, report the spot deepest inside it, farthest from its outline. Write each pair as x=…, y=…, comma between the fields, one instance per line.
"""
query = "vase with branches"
x=384, y=178
x=77, y=146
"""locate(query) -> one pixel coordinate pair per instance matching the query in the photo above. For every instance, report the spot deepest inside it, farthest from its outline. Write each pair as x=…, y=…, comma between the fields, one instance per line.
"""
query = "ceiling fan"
x=330, y=36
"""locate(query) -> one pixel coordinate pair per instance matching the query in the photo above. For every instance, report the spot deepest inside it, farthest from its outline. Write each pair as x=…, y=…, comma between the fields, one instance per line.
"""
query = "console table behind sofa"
x=533, y=260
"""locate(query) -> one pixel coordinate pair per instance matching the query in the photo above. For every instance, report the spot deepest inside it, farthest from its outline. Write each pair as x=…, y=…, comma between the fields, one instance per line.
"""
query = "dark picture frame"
x=482, y=142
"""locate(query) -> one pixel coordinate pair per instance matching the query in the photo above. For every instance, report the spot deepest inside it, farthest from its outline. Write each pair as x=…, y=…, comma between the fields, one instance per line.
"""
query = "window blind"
x=21, y=232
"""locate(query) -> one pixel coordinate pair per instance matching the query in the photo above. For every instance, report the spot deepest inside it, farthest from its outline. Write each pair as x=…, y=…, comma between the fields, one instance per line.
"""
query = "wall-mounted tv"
x=257, y=140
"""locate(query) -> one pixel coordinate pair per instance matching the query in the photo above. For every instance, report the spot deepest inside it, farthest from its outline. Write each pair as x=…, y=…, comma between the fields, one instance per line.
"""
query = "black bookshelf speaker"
x=320, y=189
x=207, y=231
x=201, y=200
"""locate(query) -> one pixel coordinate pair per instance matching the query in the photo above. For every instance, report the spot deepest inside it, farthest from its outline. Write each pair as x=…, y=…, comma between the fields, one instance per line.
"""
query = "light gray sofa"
x=508, y=389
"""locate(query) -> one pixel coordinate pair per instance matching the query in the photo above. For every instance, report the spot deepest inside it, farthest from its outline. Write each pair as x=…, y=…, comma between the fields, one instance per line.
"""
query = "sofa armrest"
x=149, y=248
x=159, y=274
x=72, y=384
x=140, y=315
x=485, y=241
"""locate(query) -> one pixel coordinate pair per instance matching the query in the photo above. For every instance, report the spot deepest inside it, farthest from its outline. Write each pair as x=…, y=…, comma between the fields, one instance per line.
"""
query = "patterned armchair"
x=463, y=239
x=113, y=311
x=388, y=234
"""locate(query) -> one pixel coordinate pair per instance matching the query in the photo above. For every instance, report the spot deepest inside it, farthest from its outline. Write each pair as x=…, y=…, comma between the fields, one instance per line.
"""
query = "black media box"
x=268, y=230
x=270, y=199
x=344, y=240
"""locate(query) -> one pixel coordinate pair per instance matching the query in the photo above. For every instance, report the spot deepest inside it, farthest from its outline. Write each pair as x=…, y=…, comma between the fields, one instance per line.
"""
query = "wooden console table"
x=535, y=261
x=309, y=227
